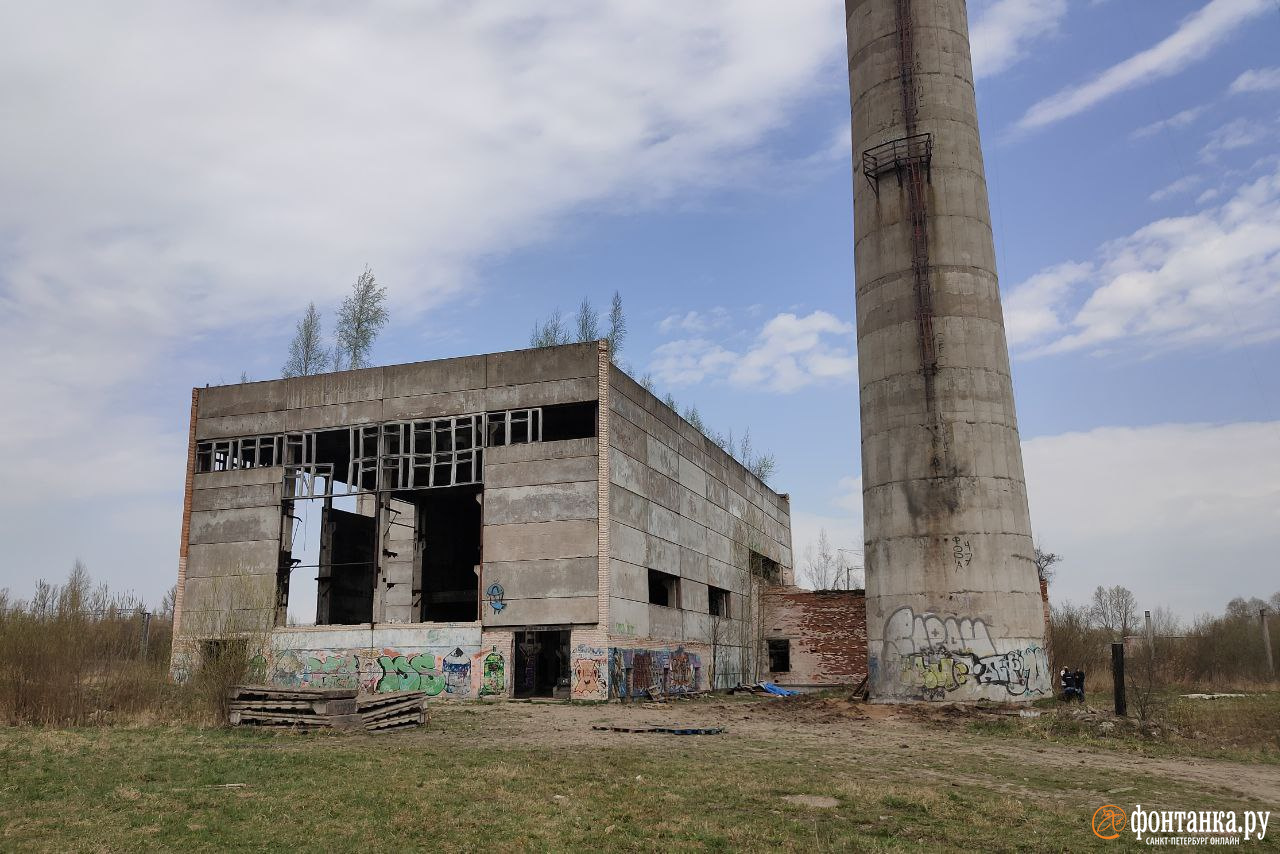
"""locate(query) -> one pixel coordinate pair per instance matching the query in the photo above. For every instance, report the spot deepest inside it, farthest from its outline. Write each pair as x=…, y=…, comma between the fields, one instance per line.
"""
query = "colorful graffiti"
x=458, y=674
x=410, y=673
x=493, y=678
x=654, y=671
x=589, y=668
x=937, y=656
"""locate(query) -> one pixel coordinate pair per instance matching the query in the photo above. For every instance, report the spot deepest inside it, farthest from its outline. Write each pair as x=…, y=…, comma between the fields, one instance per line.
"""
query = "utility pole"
x=146, y=633
x=1266, y=642
x=1117, y=677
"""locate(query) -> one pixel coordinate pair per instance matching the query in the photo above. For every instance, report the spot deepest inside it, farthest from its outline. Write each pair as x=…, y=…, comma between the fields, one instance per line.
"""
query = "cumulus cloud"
x=1003, y=31
x=179, y=173
x=789, y=353
x=1256, y=80
x=1212, y=278
x=1182, y=514
x=1197, y=36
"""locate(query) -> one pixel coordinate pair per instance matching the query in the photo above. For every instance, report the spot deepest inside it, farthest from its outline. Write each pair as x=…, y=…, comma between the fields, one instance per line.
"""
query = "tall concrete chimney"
x=953, y=597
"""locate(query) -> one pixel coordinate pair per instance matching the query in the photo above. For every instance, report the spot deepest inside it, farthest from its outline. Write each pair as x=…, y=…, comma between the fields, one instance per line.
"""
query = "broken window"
x=664, y=589
x=569, y=421
x=513, y=427
x=406, y=455
x=766, y=568
x=779, y=656
x=717, y=602
x=230, y=454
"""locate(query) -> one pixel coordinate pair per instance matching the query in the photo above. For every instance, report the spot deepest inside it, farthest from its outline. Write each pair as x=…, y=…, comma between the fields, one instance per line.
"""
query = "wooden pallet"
x=311, y=709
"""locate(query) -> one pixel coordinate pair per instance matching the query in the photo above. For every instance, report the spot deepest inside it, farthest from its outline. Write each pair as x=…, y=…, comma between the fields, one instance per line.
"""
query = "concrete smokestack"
x=953, y=596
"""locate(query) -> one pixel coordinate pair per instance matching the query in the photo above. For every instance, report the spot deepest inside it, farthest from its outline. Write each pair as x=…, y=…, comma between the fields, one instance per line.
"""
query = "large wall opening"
x=447, y=543
x=542, y=664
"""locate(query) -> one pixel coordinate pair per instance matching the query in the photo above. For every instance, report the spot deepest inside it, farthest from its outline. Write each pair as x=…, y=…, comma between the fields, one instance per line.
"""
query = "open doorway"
x=542, y=664
x=448, y=538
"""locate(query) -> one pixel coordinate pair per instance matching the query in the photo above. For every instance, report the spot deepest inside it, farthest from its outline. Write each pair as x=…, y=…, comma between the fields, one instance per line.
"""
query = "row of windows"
x=664, y=590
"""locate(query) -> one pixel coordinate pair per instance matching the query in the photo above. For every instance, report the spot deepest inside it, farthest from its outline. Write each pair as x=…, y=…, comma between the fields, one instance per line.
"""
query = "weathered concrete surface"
x=953, y=601
x=677, y=503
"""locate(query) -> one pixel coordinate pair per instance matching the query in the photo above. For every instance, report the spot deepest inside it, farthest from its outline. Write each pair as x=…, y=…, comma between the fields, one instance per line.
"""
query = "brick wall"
x=827, y=631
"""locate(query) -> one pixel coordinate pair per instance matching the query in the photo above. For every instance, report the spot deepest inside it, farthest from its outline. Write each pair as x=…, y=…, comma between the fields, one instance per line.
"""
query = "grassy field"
x=514, y=776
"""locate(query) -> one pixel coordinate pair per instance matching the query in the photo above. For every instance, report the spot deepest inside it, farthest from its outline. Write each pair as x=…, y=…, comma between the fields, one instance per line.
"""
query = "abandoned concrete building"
x=530, y=523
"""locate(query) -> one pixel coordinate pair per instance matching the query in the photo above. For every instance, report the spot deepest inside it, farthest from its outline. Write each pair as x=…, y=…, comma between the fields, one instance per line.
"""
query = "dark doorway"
x=542, y=664
x=347, y=568
x=449, y=535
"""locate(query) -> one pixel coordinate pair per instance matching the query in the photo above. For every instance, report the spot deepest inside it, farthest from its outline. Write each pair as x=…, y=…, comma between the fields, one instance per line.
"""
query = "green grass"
x=1241, y=729
x=479, y=779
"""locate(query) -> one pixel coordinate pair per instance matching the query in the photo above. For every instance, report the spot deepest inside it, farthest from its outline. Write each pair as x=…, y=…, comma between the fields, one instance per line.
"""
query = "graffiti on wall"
x=589, y=668
x=493, y=673
x=496, y=594
x=457, y=675
x=410, y=673
x=931, y=656
x=635, y=672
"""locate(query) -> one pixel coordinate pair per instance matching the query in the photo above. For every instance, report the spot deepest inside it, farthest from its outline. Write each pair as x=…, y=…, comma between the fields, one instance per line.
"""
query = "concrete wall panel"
x=537, y=472
x=540, y=541
x=543, y=503
x=234, y=526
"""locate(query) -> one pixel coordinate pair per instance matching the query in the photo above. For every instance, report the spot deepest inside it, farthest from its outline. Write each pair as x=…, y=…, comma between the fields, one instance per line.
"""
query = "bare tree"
x=307, y=355
x=1045, y=561
x=550, y=332
x=360, y=319
x=694, y=418
x=1114, y=610
x=821, y=564
x=588, y=322
x=617, y=326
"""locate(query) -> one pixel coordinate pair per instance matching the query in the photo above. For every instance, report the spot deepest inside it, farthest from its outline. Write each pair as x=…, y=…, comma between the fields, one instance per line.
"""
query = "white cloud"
x=695, y=321
x=1257, y=80
x=1212, y=278
x=1233, y=136
x=1175, y=122
x=1196, y=37
x=1003, y=30
x=789, y=353
x=1185, y=184
x=1031, y=311
x=178, y=173
x=1182, y=514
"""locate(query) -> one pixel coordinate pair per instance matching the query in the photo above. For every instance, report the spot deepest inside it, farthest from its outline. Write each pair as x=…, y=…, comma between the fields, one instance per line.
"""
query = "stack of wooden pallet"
x=326, y=708
x=396, y=710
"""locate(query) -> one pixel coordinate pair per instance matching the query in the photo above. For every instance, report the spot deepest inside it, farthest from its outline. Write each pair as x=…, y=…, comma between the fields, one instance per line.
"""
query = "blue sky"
x=178, y=183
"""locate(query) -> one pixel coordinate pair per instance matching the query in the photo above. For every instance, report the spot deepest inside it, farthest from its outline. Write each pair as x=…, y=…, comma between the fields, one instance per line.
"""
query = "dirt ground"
x=868, y=732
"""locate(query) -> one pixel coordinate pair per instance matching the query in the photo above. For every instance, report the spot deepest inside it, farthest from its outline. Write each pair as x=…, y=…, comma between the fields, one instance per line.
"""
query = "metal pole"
x=146, y=633
x=1266, y=642
x=1117, y=674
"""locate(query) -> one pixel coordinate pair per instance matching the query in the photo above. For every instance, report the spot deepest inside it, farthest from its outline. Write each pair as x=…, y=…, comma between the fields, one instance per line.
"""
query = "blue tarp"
x=778, y=690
